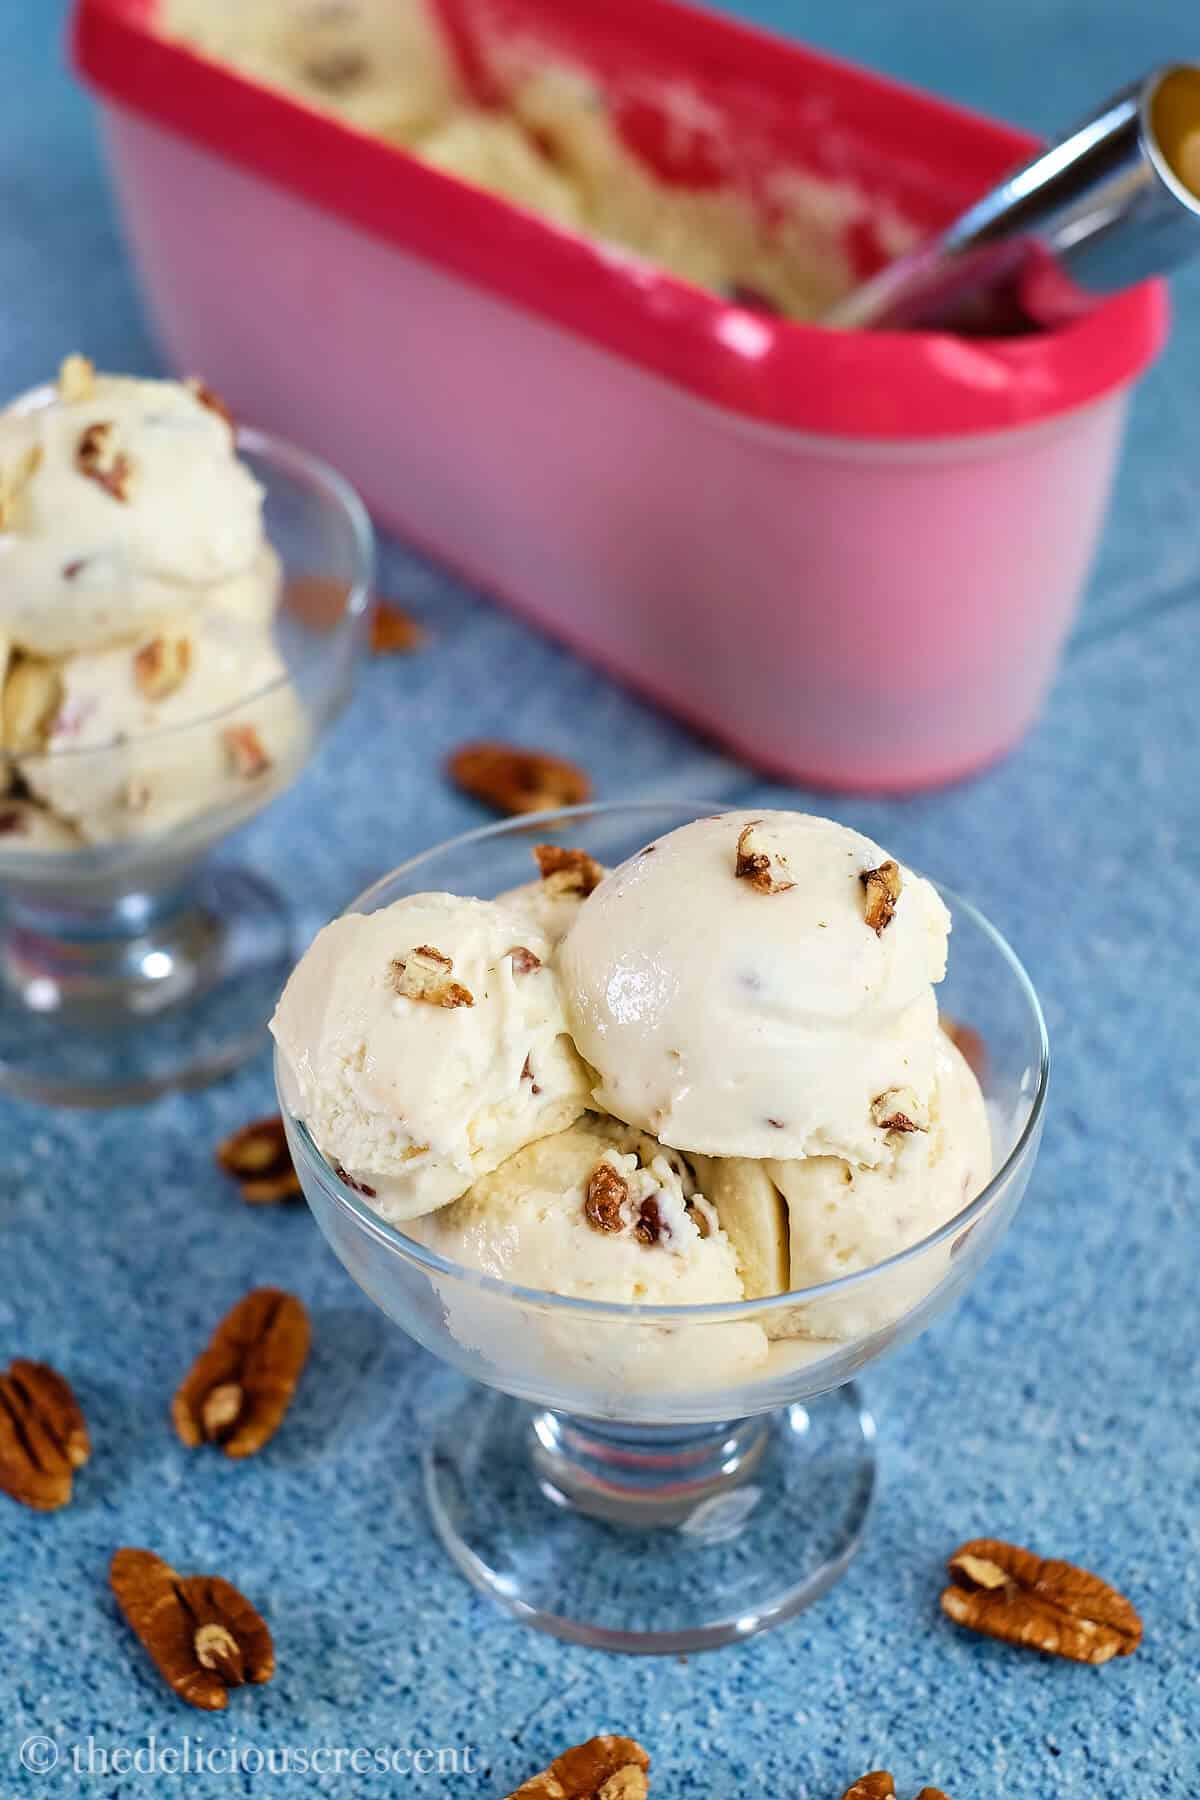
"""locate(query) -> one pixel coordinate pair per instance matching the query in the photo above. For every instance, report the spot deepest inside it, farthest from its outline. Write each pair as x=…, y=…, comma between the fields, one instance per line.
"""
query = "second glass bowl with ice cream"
x=662, y=1146
x=181, y=606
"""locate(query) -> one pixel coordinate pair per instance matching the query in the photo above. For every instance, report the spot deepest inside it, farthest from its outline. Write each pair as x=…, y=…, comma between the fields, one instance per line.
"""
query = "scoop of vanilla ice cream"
x=124, y=504
x=424, y=1044
x=145, y=736
x=757, y=1014
x=843, y=1217
x=576, y=1215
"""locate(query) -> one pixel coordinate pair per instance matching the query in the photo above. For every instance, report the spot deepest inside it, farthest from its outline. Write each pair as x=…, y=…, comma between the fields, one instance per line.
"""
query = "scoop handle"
x=1114, y=201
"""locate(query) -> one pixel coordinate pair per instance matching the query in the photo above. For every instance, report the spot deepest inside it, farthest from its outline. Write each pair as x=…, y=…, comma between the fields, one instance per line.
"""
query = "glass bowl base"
x=103, y=1009
x=651, y=1539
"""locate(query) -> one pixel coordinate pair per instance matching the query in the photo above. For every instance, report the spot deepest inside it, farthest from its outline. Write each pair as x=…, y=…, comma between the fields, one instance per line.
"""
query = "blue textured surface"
x=1058, y=1406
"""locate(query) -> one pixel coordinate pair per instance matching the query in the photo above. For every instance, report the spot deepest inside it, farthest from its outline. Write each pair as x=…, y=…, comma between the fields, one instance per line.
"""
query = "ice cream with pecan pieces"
x=141, y=686
x=757, y=990
x=799, y=1222
x=597, y=1214
x=747, y=987
x=714, y=1073
x=550, y=141
x=426, y=1043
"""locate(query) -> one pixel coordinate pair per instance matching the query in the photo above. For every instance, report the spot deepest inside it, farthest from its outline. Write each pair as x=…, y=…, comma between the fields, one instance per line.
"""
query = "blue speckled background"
x=1058, y=1406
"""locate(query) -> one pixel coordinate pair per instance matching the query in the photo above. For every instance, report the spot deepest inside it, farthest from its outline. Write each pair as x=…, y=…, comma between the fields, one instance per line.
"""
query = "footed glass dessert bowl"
x=129, y=964
x=660, y=1478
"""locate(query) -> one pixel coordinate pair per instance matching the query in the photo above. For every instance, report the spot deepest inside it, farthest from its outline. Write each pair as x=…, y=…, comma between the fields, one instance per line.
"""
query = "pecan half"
x=524, y=962
x=98, y=459
x=424, y=974
x=208, y=397
x=517, y=781
x=1013, y=1594
x=766, y=873
x=898, y=1109
x=201, y=1634
x=605, y=1768
x=882, y=886
x=32, y=697
x=258, y=1158
x=239, y=1388
x=245, y=752
x=161, y=666
x=393, y=631
x=76, y=378
x=43, y=1435
x=572, y=871
x=607, y=1192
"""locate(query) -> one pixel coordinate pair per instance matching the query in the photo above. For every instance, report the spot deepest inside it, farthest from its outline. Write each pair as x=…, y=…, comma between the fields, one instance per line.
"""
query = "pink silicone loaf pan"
x=853, y=558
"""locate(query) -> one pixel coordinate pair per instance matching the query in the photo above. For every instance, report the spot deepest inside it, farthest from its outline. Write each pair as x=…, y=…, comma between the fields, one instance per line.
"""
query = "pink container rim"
x=892, y=386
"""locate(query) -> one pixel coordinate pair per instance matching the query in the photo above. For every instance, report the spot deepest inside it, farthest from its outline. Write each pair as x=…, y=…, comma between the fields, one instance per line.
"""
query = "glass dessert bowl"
x=668, y=1477
x=128, y=963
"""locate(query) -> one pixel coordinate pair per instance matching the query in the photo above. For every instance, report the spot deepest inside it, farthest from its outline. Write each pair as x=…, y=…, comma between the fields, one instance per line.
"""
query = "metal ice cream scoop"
x=1114, y=201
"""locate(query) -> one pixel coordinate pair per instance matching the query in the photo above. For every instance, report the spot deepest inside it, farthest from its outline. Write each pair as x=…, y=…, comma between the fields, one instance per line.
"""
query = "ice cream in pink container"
x=852, y=557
